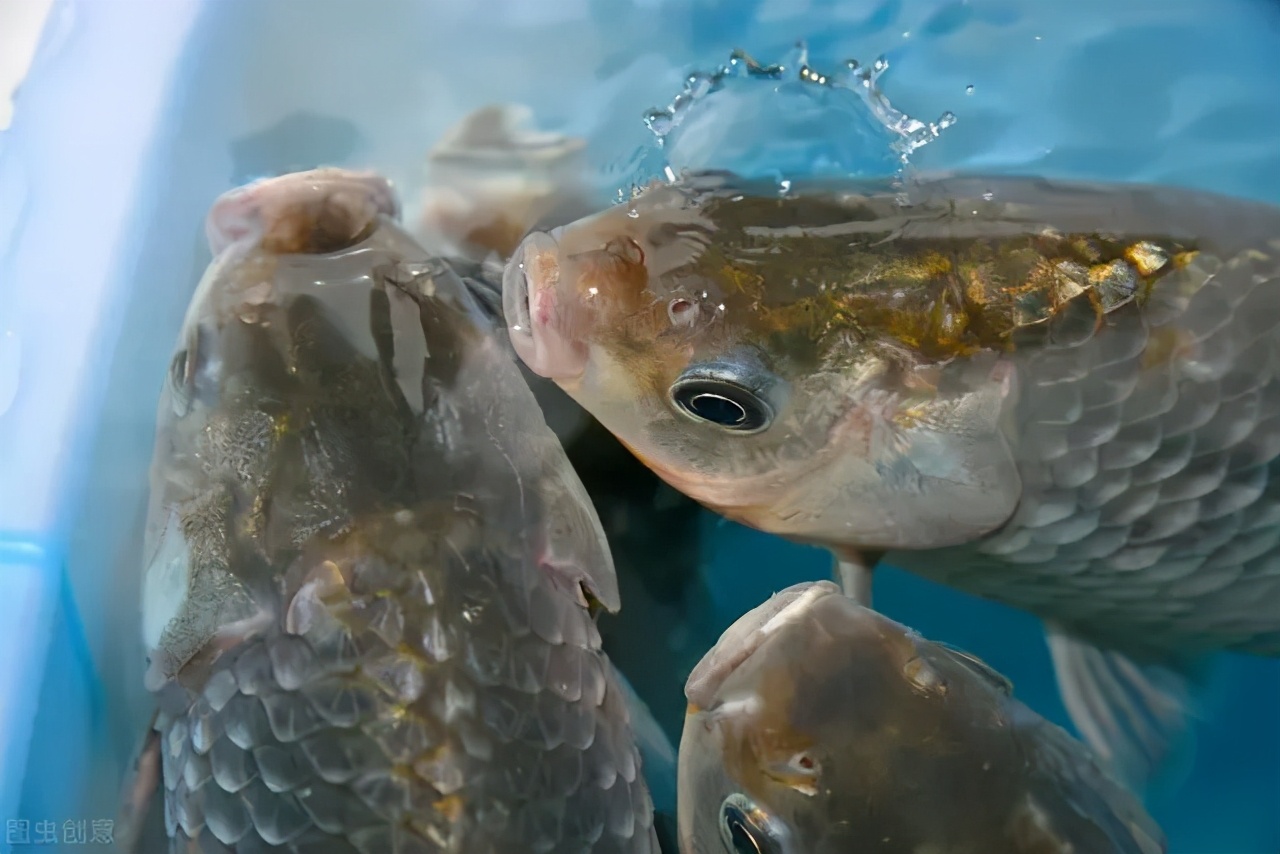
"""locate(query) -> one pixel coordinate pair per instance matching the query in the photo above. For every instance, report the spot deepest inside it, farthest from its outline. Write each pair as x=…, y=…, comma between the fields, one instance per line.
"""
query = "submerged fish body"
x=818, y=726
x=1064, y=397
x=372, y=575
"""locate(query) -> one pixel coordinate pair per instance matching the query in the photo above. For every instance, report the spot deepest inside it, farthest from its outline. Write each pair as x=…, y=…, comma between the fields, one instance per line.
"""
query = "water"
x=781, y=119
x=137, y=115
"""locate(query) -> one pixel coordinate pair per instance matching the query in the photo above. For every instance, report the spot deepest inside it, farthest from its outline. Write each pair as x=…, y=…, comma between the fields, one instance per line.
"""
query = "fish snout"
x=539, y=319
x=751, y=631
x=316, y=212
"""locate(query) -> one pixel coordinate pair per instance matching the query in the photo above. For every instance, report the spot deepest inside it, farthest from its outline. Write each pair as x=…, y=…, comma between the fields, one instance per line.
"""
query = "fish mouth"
x=319, y=211
x=752, y=630
x=536, y=314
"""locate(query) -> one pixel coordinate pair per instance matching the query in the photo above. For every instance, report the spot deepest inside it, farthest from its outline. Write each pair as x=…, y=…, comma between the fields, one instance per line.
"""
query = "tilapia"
x=818, y=726
x=1064, y=397
x=372, y=580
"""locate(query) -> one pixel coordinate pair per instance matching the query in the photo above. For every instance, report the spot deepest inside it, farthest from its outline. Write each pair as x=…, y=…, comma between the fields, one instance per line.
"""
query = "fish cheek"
x=189, y=592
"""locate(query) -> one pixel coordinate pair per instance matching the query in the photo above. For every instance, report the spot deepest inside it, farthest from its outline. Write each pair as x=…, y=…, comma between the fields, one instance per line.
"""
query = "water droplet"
x=988, y=196
x=861, y=80
x=633, y=213
x=659, y=121
x=699, y=83
x=968, y=90
x=785, y=186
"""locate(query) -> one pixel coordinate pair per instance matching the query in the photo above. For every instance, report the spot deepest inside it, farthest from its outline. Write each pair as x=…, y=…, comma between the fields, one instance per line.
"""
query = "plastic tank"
x=136, y=114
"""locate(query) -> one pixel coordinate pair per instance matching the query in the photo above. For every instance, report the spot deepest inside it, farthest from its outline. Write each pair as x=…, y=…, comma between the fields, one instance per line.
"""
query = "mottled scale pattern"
x=417, y=705
x=1148, y=455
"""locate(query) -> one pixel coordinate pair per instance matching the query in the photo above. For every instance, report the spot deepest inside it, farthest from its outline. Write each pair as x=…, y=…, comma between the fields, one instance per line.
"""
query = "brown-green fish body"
x=1064, y=397
x=818, y=726
x=372, y=575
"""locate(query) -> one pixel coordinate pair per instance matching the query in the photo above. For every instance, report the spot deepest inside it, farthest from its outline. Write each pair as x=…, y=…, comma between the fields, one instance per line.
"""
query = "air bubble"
x=968, y=90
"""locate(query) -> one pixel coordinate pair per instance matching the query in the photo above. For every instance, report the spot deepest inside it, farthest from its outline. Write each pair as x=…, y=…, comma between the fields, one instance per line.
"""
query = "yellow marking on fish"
x=1146, y=257
x=450, y=807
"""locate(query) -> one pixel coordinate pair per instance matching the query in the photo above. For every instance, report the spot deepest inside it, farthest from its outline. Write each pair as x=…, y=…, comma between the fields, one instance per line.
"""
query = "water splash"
x=826, y=123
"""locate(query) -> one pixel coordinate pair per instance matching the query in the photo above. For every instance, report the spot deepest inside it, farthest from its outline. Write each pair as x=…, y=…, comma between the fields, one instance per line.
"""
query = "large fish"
x=370, y=597
x=1063, y=397
x=818, y=726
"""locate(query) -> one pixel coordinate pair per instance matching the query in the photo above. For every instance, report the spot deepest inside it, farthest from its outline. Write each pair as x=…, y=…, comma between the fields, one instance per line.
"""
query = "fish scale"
x=1114, y=486
x=241, y=765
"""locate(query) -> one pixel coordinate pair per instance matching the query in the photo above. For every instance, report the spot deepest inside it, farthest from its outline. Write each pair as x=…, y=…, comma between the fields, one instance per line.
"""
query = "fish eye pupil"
x=721, y=403
x=740, y=833
x=719, y=409
x=178, y=370
x=741, y=839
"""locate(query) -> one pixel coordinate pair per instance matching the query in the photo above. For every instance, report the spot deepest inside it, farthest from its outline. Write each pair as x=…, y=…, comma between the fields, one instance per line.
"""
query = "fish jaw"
x=539, y=318
x=321, y=210
x=747, y=635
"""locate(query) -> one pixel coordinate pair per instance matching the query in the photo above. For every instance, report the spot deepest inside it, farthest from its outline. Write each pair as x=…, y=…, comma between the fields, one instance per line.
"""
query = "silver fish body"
x=369, y=603
x=1147, y=448
x=818, y=726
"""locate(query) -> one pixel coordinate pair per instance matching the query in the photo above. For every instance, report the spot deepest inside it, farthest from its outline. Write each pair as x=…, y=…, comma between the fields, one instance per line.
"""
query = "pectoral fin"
x=854, y=573
x=1136, y=717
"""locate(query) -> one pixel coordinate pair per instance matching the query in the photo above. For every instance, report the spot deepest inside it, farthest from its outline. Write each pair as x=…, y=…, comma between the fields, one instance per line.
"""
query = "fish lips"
x=536, y=316
x=741, y=640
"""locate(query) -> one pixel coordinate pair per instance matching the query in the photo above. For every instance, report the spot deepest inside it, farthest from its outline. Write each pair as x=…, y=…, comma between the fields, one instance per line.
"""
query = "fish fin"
x=854, y=573
x=488, y=294
x=657, y=753
x=1134, y=716
x=1068, y=784
x=139, y=825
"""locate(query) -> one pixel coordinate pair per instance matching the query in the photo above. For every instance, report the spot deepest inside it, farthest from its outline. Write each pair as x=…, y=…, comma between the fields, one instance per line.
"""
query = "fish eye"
x=744, y=828
x=178, y=368
x=180, y=378
x=723, y=403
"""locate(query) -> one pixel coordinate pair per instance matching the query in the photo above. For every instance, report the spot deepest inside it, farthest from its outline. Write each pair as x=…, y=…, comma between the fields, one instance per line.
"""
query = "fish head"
x=327, y=361
x=265, y=353
x=816, y=725
x=704, y=329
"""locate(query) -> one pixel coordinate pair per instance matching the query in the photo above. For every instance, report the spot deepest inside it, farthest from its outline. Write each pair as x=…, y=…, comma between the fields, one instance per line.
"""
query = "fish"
x=373, y=579
x=817, y=725
x=493, y=176
x=1061, y=396
x=490, y=179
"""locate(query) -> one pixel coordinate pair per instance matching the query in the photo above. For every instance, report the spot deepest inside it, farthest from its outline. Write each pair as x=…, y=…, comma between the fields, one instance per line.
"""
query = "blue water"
x=138, y=113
